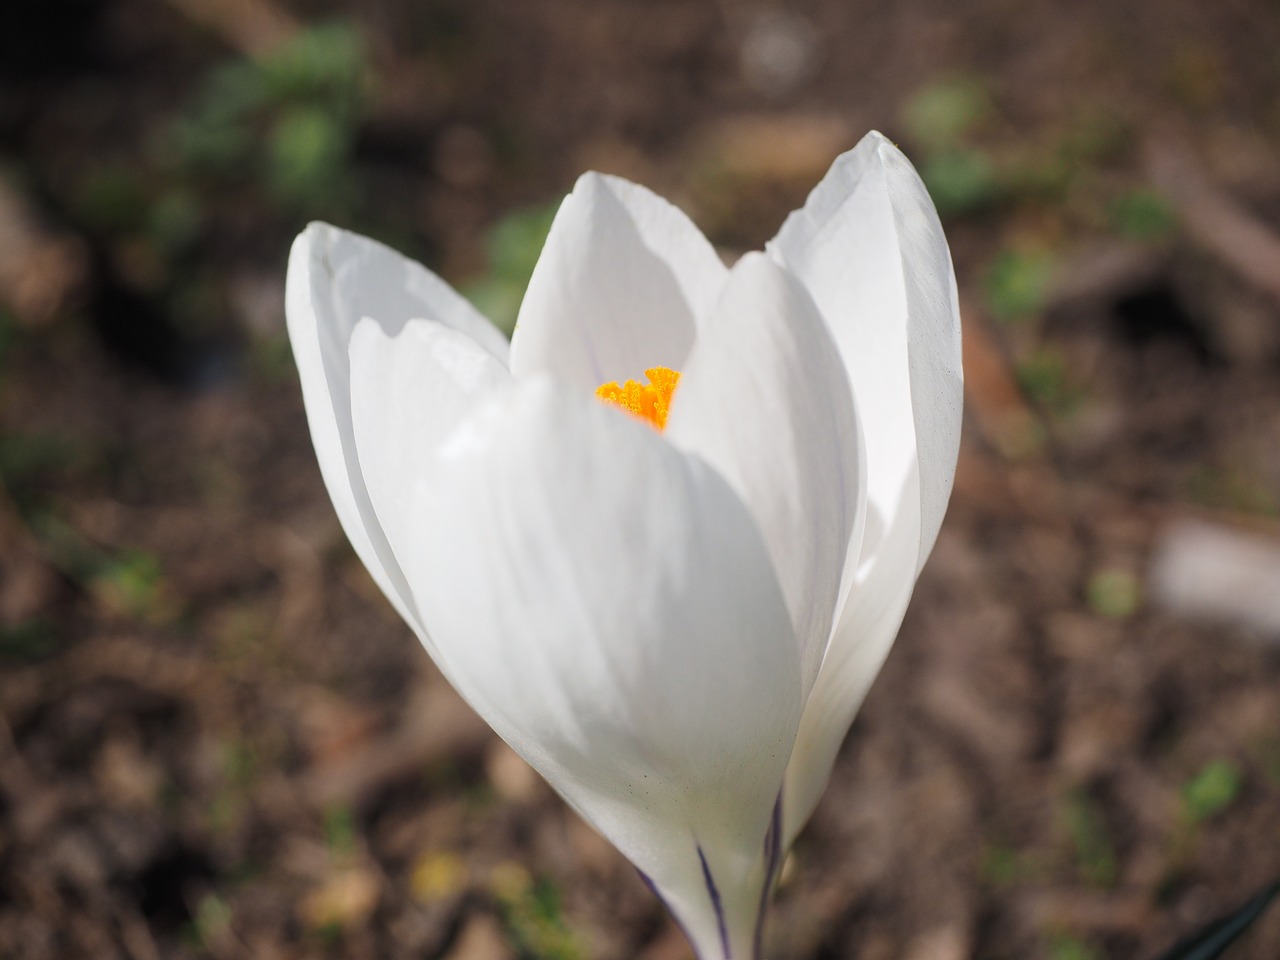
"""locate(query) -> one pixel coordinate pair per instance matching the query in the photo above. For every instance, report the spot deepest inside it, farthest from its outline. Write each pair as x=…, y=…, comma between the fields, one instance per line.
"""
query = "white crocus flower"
x=674, y=621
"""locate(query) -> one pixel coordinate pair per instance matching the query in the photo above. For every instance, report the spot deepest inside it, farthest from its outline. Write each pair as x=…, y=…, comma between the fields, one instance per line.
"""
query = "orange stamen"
x=648, y=401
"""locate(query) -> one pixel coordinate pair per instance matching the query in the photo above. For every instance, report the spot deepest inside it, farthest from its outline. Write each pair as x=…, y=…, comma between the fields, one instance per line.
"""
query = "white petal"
x=765, y=400
x=620, y=287
x=335, y=278
x=607, y=604
x=859, y=644
x=869, y=247
x=408, y=393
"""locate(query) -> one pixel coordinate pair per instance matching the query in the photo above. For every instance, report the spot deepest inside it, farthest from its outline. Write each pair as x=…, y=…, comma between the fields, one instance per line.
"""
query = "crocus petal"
x=334, y=279
x=408, y=393
x=765, y=400
x=859, y=644
x=869, y=247
x=607, y=604
x=620, y=287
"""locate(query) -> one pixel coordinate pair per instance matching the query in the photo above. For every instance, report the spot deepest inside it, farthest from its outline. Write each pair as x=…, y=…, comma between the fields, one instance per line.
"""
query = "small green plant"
x=239, y=763
x=1018, y=284
x=1063, y=946
x=531, y=913
x=325, y=62
x=514, y=244
x=288, y=120
x=1143, y=215
x=960, y=180
x=1211, y=791
x=212, y=920
x=1094, y=852
x=307, y=152
x=1043, y=377
x=1039, y=172
x=941, y=119
x=1003, y=866
x=1231, y=488
x=943, y=113
x=1097, y=133
x=131, y=583
x=339, y=831
x=1114, y=593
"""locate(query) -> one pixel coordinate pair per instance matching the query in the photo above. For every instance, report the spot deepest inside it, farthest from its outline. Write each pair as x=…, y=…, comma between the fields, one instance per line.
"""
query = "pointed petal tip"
x=315, y=229
x=873, y=144
x=318, y=235
x=620, y=286
x=592, y=187
x=870, y=248
x=876, y=137
x=587, y=182
x=594, y=180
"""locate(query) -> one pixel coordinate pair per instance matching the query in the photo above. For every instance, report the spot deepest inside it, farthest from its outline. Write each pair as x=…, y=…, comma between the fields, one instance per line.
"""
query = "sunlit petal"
x=621, y=286
x=859, y=644
x=765, y=400
x=408, y=393
x=607, y=604
x=335, y=278
x=869, y=247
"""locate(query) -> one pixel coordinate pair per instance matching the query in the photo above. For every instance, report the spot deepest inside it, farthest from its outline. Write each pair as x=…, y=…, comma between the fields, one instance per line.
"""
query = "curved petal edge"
x=588, y=587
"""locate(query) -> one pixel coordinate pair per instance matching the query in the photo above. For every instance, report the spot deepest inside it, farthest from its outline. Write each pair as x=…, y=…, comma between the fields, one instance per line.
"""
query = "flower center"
x=648, y=401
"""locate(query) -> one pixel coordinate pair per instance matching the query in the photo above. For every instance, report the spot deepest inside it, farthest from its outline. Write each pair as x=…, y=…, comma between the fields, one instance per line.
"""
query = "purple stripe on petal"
x=773, y=839
x=653, y=888
x=715, y=904
x=772, y=857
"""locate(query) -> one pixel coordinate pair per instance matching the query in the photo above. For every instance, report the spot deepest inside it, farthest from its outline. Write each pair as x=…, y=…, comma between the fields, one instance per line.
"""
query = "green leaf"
x=498, y=299
x=1209, y=942
x=1143, y=215
x=516, y=241
x=308, y=154
x=1114, y=593
x=131, y=583
x=339, y=831
x=1095, y=853
x=514, y=245
x=1211, y=790
x=326, y=61
x=941, y=114
x=960, y=181
x=1043, y=377
x=535, y=924
x=1064, y=947
x=1018, y=284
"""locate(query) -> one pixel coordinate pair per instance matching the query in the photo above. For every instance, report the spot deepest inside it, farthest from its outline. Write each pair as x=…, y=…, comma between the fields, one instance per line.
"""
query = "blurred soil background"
x=216, y=738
